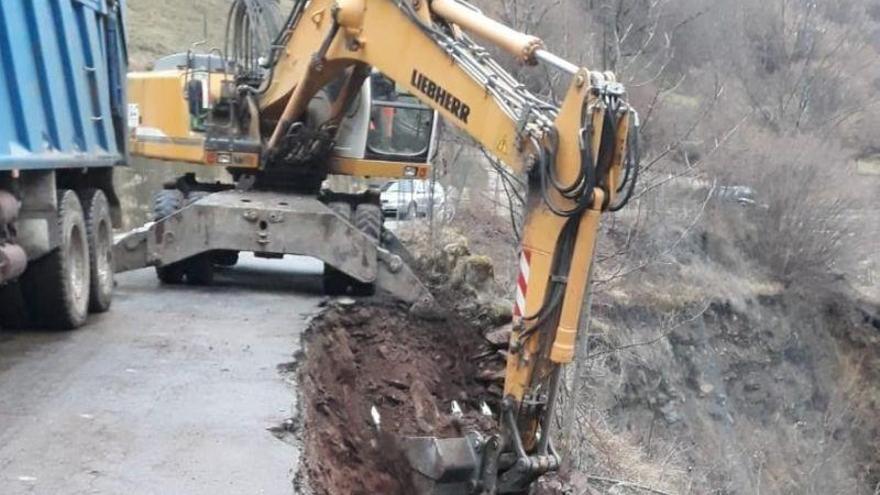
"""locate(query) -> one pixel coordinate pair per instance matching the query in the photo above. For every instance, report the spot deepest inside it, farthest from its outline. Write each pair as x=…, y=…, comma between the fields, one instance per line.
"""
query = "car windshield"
x=395, y=187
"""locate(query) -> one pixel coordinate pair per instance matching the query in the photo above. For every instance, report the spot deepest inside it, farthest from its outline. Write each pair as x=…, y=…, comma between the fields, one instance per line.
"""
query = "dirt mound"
x=360, y=357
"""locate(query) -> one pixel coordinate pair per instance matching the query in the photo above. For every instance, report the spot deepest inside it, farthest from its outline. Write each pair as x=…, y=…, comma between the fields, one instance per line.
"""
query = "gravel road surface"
x=170, y=392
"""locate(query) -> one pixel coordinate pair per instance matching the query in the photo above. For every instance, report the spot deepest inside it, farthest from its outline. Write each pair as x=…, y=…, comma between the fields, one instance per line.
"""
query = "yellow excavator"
x=353, y=87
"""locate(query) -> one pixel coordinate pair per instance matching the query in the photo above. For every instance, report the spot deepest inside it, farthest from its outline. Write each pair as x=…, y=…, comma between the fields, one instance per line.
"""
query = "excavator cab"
x=387, y=133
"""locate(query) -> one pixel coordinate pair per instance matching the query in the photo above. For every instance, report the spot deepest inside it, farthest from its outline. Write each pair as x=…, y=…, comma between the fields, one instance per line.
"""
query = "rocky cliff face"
x=776, y=395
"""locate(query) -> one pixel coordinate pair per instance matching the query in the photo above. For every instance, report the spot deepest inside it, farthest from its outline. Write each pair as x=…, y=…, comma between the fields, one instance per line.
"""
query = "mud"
x=362, y=356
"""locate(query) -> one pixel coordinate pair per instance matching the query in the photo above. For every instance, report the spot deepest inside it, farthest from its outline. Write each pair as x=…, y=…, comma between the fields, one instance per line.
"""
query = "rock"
x=500, y=311
x=706, y=389
x=670, y=413
x=426, y=414
x=490, y=375
x=476, y=272
x=500, y=337
x=428, y=309
x=396, y=383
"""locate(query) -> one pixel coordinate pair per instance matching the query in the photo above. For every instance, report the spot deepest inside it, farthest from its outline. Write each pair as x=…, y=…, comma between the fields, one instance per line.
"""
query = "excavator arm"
x=574, y=154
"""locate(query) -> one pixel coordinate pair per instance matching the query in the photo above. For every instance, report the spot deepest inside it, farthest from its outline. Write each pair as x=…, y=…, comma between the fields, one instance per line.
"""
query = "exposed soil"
x=357, y=357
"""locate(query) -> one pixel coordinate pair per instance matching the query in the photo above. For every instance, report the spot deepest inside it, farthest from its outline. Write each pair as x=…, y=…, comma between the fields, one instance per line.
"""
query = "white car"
x=410, y=198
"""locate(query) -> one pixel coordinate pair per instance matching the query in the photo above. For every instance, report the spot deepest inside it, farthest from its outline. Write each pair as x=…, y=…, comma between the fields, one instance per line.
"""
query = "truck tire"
x=368, y=219
x=165, y=203
x=99, y=231
x=56, y=286
x=13, y=313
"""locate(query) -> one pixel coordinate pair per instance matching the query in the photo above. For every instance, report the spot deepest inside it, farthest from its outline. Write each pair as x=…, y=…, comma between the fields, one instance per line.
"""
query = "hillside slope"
x=161, y=27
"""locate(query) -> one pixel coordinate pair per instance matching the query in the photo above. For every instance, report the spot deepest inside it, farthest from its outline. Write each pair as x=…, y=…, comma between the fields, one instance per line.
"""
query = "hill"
x=160, y=27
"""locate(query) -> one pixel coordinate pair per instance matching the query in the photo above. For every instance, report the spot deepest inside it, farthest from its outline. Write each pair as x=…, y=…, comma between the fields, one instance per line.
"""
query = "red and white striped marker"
x=522, y=284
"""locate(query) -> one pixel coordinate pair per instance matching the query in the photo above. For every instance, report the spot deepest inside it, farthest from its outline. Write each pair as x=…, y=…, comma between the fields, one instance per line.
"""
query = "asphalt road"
x=170, y=392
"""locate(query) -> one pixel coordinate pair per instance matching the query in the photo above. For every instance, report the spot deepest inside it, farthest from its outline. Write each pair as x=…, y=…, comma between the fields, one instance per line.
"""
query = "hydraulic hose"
x=633, y=166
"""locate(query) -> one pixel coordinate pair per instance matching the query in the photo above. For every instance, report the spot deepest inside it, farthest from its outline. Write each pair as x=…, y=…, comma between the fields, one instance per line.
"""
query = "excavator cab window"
x=400, y=125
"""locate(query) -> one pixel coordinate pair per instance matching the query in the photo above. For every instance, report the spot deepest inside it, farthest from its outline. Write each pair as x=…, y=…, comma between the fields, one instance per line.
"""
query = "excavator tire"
x=337, y=283
x=219, y=257
x=341, y=208
x=368, y=219
x=165, y=203
x=199, y=270
x=224, y=257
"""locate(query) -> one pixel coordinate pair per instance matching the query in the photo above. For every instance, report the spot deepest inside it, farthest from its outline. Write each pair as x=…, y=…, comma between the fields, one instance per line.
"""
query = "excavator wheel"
x=200, y=269
x=368, y=219
x=219, y=257
x=335, y=282
x=165, y=203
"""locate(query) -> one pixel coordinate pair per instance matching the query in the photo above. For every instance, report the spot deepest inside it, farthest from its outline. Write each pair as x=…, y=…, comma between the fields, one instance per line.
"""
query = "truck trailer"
x=63, y=129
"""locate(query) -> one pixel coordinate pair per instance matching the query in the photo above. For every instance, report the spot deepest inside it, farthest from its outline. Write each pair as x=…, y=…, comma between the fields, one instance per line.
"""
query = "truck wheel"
x=99, y=231
x=56, y=286
x=368, y=219
x=165, y=203
x=13, y=313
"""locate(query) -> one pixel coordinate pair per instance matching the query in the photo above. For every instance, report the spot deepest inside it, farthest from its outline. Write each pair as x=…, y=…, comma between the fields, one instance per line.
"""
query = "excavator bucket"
x=444, y=466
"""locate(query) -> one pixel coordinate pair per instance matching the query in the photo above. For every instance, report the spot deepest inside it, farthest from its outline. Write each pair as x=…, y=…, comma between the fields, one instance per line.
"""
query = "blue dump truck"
x=63, y=126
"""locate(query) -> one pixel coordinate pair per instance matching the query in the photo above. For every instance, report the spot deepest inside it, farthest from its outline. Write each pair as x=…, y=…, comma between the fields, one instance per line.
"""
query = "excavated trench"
x=365, y=355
